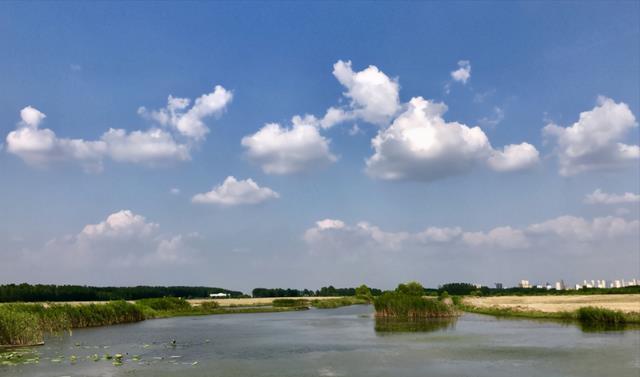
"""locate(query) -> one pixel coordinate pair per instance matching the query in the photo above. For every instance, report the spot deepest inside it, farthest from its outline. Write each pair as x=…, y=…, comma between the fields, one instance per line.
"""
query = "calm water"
x=338, y=342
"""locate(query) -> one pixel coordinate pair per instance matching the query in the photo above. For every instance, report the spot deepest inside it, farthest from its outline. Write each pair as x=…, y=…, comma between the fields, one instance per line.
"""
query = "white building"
x=524, y=284
x=218, y=295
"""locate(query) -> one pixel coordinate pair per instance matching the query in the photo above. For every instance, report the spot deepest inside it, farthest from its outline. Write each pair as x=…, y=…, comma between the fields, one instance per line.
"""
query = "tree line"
x=49, y=292
x=329, y=291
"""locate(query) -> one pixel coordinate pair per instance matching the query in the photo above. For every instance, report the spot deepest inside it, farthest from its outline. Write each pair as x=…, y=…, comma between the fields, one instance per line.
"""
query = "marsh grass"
x=407, y=306
x=590, y=318
x=592, y=314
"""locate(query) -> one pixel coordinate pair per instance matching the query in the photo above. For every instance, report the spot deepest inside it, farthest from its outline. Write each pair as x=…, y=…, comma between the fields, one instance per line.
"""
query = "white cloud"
x=421, y=145
x=41, y=146
x=503, y=237
x=374, y=96
x=190, y=122
x=595, y=141
x=280, y=150
x=123, y=240
x=600, y=197
x=150, y=147
x=234, y=192
x=335, y=236
x=514, y=157
x=463, y=73
x=579, y=229
x=121, y=224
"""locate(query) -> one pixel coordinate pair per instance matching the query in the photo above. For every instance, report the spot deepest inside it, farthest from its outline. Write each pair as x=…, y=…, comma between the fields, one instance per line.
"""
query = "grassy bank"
x=331, y=303
x=586, y=315
x=26, y=324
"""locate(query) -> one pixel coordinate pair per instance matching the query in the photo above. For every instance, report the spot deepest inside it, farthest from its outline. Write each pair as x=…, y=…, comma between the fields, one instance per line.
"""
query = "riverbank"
x=26, y=324
x=613, y=309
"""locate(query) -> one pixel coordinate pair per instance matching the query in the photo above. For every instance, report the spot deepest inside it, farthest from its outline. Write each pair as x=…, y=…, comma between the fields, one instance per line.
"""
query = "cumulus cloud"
x=190, y=121
x=514, y=157
x=123, y=239
x=463, y=73
x=374, y=96
x=41, y=146
x=280, y=150
x=332, y=235
x=234, y=192
x=595, y=141
x=600, y=197
x=421, y=145
x=121, y=224
x=579, y=229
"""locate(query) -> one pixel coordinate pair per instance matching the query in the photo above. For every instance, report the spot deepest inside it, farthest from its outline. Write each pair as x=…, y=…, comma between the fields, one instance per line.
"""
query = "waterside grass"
x=26, y=324
x=587, y=316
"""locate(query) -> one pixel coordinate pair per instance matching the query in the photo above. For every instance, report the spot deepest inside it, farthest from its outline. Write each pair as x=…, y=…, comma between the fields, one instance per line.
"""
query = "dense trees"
x=39, y=292
x=329, y=291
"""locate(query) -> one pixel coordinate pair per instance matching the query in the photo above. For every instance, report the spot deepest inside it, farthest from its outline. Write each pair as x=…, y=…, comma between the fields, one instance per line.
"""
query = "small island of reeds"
x=407, y=302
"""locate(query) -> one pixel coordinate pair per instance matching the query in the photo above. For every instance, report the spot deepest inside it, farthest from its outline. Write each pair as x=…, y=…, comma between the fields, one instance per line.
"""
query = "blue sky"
x=90, y=67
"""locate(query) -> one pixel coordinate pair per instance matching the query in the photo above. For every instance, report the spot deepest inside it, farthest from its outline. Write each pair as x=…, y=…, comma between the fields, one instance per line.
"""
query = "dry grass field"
x=260, y=301
x=627, y=303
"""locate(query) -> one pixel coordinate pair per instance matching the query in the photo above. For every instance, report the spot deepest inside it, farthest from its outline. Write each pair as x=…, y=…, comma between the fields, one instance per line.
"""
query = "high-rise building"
x=524, y=284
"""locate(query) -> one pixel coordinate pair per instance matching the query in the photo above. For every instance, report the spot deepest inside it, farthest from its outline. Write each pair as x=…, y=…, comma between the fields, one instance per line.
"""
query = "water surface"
x=336, y=342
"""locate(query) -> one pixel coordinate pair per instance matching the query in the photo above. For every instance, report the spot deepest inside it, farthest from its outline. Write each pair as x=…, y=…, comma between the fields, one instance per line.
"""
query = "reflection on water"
x=390, y=325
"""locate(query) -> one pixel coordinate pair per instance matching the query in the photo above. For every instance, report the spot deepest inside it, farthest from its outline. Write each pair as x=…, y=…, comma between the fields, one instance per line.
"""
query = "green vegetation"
x=49, y=293
x=289, y=303
x=26, y=324
x=17, y=327
x=333, y=303
x=587, y=316
x=23, y=324
x=329, y=291
x=407, y=302
x=592, y=314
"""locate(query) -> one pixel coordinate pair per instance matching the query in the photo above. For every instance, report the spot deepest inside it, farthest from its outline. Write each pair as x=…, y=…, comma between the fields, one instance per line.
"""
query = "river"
x=334, y=342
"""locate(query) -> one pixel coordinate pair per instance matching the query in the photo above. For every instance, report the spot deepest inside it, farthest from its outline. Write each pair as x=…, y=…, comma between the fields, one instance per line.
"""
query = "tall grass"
x=18, y=327
x=592, y=314
x=400, y=305
x=22, y=324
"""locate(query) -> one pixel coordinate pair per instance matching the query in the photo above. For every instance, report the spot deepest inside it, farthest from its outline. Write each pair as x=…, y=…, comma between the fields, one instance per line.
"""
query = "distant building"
x=499, y=286
x=560, y=285
x=524, y=284
x=218, y=295
x=616, y=284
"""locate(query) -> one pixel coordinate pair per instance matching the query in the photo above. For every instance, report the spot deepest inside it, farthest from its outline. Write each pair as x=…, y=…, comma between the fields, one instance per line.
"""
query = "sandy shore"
x=626, y=303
